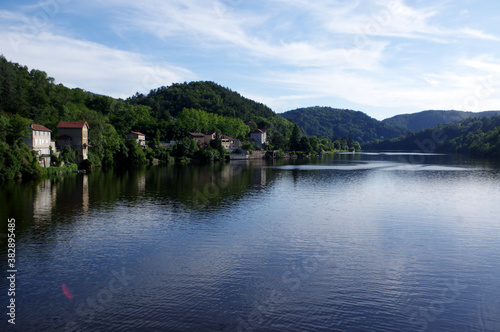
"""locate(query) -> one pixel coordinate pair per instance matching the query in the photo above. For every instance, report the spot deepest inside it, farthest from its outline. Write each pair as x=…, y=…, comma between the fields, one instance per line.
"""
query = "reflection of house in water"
x=141, y=183
x=43, y=202
x=259, y=176
x=68, y=197
x=85, y=193
x=73, y=195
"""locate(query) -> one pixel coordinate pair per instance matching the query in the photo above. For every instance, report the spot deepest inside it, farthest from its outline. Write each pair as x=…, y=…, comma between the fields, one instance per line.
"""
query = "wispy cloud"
x=370, y=53
x=89, y=65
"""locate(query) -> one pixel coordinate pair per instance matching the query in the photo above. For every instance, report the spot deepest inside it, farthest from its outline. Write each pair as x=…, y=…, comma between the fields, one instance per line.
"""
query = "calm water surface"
x=354, y=242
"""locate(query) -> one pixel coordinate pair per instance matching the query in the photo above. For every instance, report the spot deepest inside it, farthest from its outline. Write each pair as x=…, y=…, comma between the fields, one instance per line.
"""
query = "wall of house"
x=231, y=145
x=79, y=139
x=258, y=154
x=260, y=138
x=40, y=142
x=140, y=139
x=208, y=138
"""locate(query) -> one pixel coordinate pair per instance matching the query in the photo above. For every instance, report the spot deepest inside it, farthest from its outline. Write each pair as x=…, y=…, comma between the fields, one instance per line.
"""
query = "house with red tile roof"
x=210, y=135
x=198, y=137
x=229, y=143
x=39, y=140
x=139, y=137
x=76, y=135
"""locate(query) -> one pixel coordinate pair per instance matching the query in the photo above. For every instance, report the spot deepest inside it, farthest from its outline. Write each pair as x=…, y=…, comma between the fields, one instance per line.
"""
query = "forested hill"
x=478, y=137
x=429, y=119
x=334, y=123
x=207, y=96
x=33, y=95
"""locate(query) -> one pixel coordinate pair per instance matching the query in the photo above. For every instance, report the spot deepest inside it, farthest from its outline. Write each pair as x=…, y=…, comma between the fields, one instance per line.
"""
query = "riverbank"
x=61, y=170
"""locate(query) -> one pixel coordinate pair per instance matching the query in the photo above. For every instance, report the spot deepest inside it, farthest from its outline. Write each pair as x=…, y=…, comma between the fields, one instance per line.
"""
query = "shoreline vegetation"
x=166, y=116
x=174, y=123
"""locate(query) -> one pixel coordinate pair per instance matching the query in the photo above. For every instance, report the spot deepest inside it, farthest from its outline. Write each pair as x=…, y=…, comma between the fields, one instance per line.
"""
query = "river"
x=350, y=242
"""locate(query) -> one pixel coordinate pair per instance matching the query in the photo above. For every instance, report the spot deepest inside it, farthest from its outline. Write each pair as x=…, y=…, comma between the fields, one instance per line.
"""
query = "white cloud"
x=478, y=34
x=369, y=53
x=89, y=65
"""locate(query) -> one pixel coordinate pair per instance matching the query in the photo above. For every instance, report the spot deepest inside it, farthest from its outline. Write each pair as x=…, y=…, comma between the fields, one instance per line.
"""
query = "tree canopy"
x=476, y=136
x=340, y=123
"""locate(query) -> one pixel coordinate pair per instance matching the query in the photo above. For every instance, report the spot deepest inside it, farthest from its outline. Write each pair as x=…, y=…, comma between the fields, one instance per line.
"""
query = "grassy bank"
x=59, y=170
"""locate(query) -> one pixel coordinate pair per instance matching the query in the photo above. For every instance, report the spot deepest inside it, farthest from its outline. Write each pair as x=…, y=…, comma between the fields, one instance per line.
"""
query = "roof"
x=39, y=127
x=72, y=124
x=197, y=134
x=137, y=133
x=258, y=131
x=211, y=132
x=64, y=137
x=227, y=137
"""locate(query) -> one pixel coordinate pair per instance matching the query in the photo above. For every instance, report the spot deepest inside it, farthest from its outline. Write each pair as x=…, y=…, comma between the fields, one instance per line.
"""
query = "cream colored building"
x=139, y=137
x=229, y=143
x=39, y=140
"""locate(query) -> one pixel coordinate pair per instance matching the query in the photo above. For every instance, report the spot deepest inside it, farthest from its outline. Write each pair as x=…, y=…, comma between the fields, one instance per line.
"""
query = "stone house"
x=39, y=140
x=259, y=137
x=76, y=135
x=198, y=137
x=229, y=143
x=210, y=135
x=139, y=137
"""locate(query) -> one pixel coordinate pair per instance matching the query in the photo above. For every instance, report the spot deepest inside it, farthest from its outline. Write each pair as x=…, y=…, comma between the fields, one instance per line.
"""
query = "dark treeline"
x=429, y=119
x=335, y=123
x=475, y=136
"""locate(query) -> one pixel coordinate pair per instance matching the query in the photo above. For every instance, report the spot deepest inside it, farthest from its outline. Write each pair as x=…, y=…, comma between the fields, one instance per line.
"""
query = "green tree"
x=136, y=155
x=186, y=148
x=305, y=146
x=295, y=139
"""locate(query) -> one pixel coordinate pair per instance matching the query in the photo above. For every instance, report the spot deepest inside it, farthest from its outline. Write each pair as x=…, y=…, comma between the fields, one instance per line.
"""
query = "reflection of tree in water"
x=63, y=199
x=202, y=186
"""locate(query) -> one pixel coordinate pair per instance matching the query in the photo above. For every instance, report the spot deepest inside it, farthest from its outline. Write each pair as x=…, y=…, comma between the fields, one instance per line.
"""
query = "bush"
x=163, y=155
x=59, y=170
x=209, y=154
x=18, y=162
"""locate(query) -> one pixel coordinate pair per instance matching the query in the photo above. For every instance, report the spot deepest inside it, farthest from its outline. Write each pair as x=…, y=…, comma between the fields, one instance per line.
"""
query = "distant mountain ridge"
x=432, y=118
x=478, y=137
x=335, y=123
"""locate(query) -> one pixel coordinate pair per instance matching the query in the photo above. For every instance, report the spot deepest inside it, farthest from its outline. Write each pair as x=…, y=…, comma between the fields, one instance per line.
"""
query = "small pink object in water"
x=67, y=292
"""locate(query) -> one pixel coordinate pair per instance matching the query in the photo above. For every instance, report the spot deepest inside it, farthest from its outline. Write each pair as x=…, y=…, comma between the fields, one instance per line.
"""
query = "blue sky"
x=380, y=57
